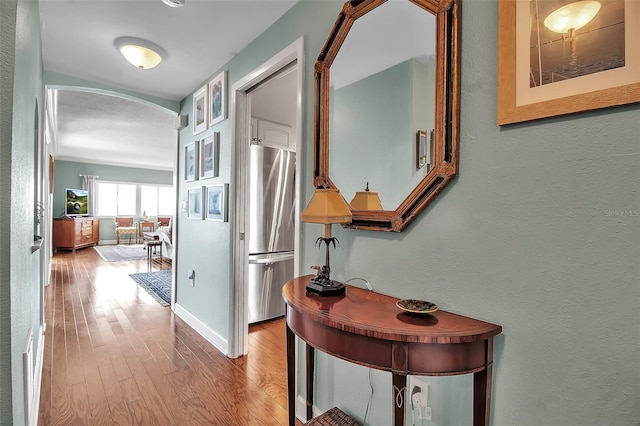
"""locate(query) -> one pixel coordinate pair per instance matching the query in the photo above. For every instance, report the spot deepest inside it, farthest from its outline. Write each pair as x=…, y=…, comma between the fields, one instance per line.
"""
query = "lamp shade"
x=327, y=206
x=140, y=53
x=366, y=200
x=572, y=16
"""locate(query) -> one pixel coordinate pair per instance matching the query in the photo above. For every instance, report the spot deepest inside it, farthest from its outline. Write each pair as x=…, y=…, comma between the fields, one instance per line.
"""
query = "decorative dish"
x=415, y=306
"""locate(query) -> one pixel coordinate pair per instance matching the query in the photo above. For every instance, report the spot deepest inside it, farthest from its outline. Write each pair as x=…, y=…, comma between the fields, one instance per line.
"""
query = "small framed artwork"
x=190, y=163
x=194, y=209
x=209, y=148
x=423, y=148
x=200, y=110
x=561, y=60
x=218, y=99
x=217, y=202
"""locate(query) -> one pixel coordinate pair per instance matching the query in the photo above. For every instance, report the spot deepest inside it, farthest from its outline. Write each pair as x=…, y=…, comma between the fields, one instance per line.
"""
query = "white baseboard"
x=35, y=404
x=210, y=335
x=301, y=409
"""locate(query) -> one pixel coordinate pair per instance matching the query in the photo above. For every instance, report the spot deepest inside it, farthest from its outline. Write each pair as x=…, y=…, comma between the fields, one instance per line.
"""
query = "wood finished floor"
x=114, y=356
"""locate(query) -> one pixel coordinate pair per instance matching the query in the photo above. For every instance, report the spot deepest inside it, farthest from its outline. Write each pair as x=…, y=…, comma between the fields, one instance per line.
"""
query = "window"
x=156, y=200
x=129, y=199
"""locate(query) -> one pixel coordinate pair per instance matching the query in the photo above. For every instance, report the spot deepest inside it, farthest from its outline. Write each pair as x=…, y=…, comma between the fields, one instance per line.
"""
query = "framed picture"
x=190, y=163
x=209, y=148
x=218, y=99
x=547, y=68
x=217, y=202
x=194, y=209
x=423, y=148
x=200, y=110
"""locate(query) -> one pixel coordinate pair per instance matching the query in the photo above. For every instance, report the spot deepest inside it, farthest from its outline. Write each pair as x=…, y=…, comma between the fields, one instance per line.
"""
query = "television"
x=77, y=203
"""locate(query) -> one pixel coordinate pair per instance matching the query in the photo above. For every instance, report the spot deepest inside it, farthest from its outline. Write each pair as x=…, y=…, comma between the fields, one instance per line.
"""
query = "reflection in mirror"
x=382, y=91
x=386, y=85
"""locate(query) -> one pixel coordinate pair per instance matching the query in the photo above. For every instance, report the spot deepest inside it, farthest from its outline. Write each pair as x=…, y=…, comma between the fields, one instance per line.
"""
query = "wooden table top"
x=376, y=315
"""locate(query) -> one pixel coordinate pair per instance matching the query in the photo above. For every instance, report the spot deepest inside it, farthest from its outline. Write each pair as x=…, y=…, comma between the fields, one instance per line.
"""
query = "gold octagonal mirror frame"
x=447, y=106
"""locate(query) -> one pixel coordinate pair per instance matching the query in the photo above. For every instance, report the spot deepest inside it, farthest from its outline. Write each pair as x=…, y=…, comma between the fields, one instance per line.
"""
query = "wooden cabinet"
x=273, y=135
x=73, y=233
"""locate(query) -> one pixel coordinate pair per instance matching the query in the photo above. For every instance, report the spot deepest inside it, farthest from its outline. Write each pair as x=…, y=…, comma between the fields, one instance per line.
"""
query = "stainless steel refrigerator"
x=271, y=229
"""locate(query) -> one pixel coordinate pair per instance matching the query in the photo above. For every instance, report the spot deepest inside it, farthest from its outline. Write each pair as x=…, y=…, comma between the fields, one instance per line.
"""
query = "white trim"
x=210, y=335
x=240, y=123
x=35, y=403
x=301, y=409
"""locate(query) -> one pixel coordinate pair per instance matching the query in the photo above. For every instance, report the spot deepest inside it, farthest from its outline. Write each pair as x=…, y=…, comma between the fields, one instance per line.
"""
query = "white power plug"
x=419, y=400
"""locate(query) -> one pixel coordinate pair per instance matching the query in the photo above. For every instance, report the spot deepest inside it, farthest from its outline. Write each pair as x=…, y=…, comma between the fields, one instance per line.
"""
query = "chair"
x=166, y=236
x=124, y=226
x=163, y=222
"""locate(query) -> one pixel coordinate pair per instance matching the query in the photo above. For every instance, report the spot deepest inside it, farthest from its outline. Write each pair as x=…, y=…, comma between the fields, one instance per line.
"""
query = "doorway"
x=247, y=96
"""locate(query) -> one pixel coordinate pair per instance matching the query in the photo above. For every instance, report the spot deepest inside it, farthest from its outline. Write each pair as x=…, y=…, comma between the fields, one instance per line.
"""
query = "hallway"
x=113, y=355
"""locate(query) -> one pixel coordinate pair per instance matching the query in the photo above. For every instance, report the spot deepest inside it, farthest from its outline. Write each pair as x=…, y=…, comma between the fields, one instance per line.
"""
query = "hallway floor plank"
x=113, y=355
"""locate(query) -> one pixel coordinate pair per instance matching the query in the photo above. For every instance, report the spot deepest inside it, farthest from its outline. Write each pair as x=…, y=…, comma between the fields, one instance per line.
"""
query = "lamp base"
x=321, y=289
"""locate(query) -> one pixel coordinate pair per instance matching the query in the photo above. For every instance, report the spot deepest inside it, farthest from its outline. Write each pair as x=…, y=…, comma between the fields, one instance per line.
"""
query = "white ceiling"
x=199, y=38
x=386, y=36
x=98, y=128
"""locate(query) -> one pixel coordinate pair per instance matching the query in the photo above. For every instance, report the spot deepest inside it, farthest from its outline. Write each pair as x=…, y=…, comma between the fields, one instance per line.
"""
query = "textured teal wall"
x=371, y=133
x=7, y=58
x=204, y=245
x=20, y=297
x=540, y=233
x=67, y=175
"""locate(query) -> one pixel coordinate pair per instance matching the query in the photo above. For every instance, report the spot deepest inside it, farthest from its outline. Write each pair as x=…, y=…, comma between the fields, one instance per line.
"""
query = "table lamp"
x=327, y=207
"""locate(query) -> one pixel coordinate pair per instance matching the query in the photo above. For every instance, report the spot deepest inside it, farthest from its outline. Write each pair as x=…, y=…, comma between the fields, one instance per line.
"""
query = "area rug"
x=121, y=253
x=157, y=284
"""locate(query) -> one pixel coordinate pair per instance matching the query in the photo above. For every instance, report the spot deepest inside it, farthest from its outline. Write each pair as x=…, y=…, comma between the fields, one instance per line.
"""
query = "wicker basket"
x=332, y=417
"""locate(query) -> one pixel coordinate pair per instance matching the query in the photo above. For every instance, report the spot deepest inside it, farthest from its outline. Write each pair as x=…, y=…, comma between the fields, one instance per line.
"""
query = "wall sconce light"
x=366, y=200
x=572, y=17
x=327, y=207
x=140, y=53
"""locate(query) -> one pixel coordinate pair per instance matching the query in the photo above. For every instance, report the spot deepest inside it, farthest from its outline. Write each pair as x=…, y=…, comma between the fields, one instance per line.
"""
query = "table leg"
x=399, y=395
x=311, y=359
x=148, y=257
x=291, y=376
x=482, y=390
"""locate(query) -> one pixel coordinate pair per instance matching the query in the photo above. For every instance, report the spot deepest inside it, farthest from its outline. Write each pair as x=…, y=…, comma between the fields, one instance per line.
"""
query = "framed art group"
x=201, y=158
x=208, y=202
x=209, y=104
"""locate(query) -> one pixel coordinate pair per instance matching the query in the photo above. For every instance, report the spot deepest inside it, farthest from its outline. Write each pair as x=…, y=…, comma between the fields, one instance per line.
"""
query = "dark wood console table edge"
x=482, y=369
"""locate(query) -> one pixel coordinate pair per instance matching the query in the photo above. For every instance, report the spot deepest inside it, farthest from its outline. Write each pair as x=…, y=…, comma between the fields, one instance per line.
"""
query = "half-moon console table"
x=368, y=328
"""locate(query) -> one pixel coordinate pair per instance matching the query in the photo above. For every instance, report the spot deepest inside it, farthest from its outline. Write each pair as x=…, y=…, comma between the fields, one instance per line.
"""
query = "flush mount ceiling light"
x=174, y=3
x=572, y=17
x=140, y=53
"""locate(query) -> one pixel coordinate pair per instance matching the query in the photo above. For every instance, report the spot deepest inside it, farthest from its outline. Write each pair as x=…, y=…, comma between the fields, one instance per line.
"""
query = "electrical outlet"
x=419, y=399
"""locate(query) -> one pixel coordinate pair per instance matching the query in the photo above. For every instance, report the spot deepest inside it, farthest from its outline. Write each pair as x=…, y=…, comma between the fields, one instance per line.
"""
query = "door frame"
x=241, y=127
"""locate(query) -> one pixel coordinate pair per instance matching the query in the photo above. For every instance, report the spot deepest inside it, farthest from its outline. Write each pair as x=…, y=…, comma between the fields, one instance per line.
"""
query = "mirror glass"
x=382, y=103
